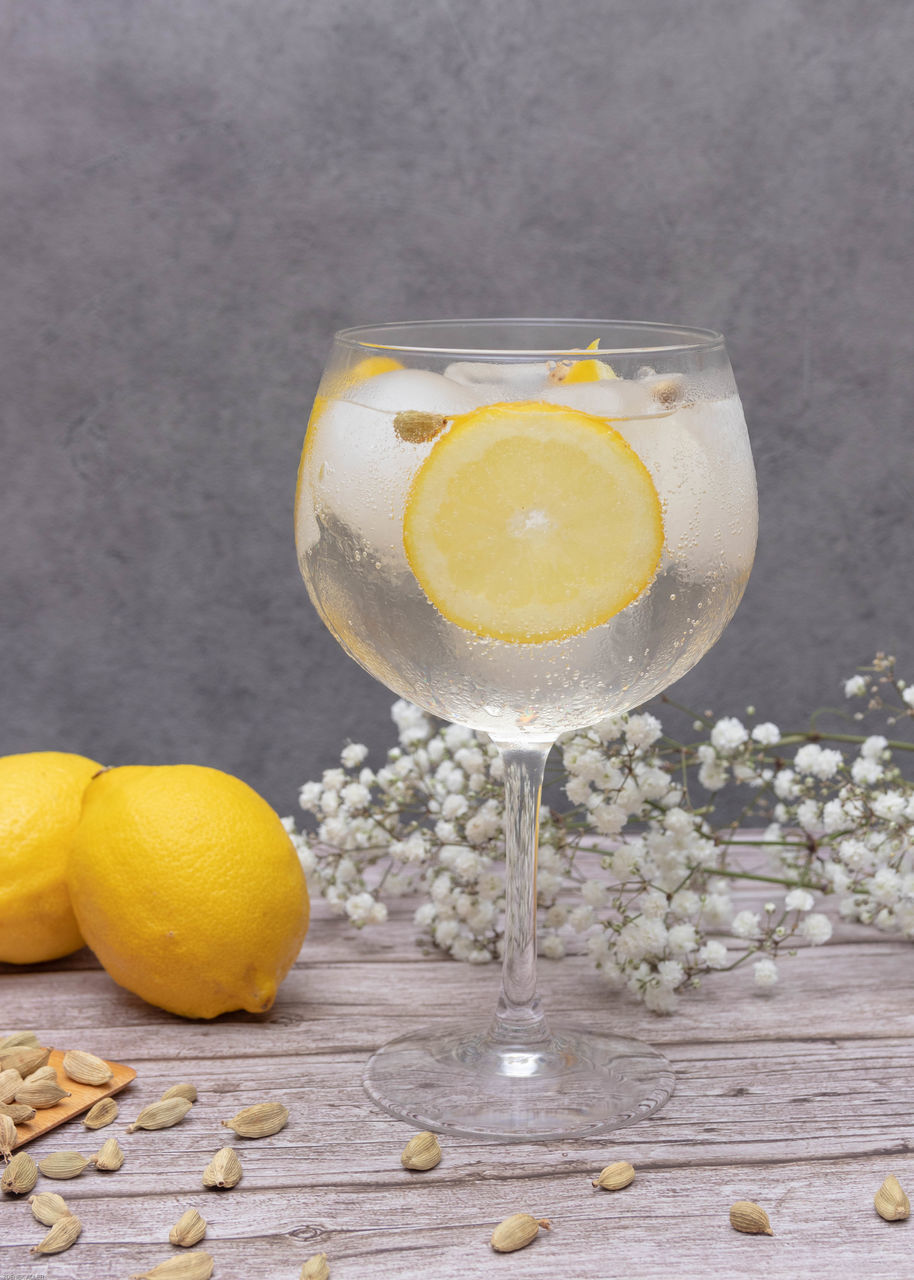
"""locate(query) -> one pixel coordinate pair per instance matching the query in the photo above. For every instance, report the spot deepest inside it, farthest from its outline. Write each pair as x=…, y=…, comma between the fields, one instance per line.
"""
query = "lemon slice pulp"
x=531, y=522
x=589, y=370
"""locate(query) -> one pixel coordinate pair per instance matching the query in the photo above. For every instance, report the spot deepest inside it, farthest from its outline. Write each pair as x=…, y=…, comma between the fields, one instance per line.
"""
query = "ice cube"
x=415, y=389
x=518, y=380
x=359, y=471
x=606, y=397
x=698, y=460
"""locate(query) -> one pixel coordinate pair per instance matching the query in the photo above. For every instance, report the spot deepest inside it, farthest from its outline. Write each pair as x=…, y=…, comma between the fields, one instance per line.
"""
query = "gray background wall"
x=195, y=194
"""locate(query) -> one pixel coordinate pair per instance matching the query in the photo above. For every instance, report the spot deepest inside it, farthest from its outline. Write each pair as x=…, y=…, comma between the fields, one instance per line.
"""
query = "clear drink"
x=349, y=526
x=525, y=527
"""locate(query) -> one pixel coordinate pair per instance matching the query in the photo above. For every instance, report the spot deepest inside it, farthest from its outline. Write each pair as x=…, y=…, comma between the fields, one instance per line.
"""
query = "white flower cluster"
x=652, y=906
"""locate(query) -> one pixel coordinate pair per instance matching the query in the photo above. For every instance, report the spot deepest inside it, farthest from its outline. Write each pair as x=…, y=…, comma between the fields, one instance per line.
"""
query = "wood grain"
x=82, y=1097
x=801, y=1099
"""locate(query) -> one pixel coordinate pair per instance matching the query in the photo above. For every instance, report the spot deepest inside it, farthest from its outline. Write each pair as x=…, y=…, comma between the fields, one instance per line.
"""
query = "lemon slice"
x=530, y=522
x=589, y=370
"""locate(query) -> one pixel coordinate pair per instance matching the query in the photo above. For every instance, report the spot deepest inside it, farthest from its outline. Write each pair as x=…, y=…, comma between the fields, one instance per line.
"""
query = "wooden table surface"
x=801, y=1099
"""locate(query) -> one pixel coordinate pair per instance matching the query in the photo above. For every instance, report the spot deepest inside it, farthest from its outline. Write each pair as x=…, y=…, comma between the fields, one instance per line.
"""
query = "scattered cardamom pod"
x=10, y=1081
x=48, y=1207
x=19, y=1040
x=224, y=1170
x=421, y=1152
x=260, y=1121
x=891, y=1201
x=186, y=1266
x=180, y=1091
x=668, y=390
x=188, y=1230
x=104, y=1111
x=110, y=1156
x=17, y=1112
x=63, y=1164
x=615, y=1176
x=43, y=1073
x=751, y=1218
x=63, y=1234
x=316, y=1268
x=161, y=1115
x=20, y=1175
x=8, y=1137
x=517, y=1232
x=40, y=1094
x=25, y=1059
x=416, y=427
x=86, y=1068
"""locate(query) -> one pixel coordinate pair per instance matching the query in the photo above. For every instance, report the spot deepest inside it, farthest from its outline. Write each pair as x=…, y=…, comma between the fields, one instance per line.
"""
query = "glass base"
x=457, y=1079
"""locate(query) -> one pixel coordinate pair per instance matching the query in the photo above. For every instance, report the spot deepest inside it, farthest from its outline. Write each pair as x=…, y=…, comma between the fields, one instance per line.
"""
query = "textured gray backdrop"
x=194, y=195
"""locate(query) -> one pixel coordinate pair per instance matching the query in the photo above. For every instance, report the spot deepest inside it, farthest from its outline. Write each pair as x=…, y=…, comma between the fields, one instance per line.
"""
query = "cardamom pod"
x=224, y=1170
x=63, y=1234
x=48, y=1206
x=891, y=1201
x=86, y=1068
x=186, y=1266
x=615, y=1176
x=20, y=1175
x=180, y=1091
x=751, y=1218
x=17, y=1112
x=316, y=1268
x=63, y=1164
x=25, y=1059
x=40, y=1094
x=10, y=1081
x=188, y=1230
x=104, y=1111
x=19, y=1040
x=109, y=1156
x=260, y=1121
x=8, y=1137
x=43, y=1073
x=416, y=427
x=517, y=1232
x=421, y=1152
x=161, y=1115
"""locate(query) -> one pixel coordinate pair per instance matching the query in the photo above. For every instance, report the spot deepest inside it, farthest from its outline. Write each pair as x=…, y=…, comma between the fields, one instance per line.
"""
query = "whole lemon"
x=40, y=798
x=188, y=889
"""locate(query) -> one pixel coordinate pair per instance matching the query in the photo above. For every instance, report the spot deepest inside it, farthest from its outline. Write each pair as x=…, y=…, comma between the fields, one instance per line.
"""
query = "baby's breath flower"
x=728, y=735
x=766, y=734
x=799, y=900
x=765, y=972
x=431, y=822
x=816, y=928
x=746, y=924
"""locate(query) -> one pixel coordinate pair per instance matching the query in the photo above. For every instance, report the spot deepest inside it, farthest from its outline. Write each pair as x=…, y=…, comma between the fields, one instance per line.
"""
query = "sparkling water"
x=355, y=479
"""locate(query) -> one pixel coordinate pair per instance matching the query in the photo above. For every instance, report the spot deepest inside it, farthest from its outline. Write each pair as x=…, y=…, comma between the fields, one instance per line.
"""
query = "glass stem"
x=519, y=1018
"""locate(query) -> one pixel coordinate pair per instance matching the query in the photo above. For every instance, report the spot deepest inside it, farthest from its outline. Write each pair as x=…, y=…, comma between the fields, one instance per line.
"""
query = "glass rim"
x=690, y=337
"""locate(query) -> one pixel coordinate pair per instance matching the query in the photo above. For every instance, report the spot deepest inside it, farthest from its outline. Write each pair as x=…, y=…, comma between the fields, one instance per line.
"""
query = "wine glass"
x=525, y=526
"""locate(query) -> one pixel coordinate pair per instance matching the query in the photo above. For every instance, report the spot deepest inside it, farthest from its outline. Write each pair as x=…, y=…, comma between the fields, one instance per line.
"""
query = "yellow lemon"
x=589, y=370
x=187, y=888
x=40, y=798
x=530, y=522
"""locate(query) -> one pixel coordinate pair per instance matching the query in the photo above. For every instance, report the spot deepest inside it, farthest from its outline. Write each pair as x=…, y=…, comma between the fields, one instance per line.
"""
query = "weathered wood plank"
x=801, y=1100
